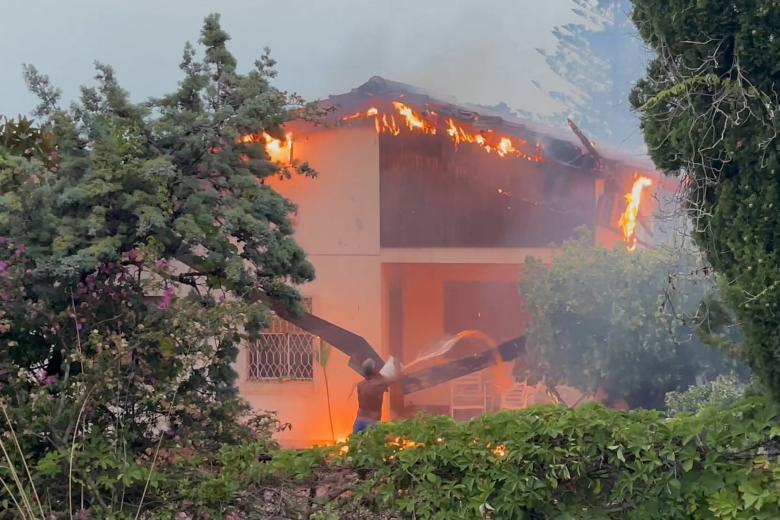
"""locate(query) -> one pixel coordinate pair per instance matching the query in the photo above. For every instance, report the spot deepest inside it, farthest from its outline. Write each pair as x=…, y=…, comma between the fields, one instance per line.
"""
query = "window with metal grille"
x=283, y=352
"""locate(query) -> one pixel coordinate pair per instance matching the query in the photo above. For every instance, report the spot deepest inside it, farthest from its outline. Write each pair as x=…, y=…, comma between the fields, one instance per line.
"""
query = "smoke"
x=479, y=52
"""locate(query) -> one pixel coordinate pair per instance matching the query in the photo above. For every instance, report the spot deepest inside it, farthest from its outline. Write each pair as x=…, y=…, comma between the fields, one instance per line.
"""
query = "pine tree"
x=160, y=199
x=169, y=175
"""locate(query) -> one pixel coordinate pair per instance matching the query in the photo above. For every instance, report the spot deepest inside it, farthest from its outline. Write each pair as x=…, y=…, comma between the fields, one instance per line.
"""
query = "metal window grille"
x=283, y=352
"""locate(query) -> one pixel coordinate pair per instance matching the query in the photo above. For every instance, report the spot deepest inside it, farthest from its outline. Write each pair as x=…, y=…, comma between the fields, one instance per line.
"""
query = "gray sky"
x=480, y=52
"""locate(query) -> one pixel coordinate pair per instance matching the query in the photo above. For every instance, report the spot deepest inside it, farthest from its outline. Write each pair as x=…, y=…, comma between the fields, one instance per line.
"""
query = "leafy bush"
x=551, y=462
x=721, y=391
x=543, y=462
x=612, y=319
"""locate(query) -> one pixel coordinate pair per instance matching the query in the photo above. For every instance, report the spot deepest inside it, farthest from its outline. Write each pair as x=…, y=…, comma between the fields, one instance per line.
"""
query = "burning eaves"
x=402, y=117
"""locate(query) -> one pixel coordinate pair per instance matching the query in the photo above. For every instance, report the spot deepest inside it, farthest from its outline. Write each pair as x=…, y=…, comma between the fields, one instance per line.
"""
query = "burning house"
x=418, y=224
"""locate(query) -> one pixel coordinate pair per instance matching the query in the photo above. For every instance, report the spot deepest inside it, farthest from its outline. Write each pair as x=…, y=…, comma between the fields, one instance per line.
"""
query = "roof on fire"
x=481, y=117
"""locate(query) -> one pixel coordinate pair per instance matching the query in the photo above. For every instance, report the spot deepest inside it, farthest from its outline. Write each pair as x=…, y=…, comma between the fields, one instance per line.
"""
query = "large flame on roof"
x=628, y=219
x=429, y=123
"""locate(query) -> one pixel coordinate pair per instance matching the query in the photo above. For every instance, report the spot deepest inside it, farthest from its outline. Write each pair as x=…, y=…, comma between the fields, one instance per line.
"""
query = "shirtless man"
x=371, y=392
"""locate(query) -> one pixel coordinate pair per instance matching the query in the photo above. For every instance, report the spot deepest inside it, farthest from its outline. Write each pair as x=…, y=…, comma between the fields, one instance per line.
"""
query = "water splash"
x=441, y=349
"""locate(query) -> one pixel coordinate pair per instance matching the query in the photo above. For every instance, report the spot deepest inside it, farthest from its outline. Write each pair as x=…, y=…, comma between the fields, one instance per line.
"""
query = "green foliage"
x=612, y=319
x=709, y=112
x=144, y=176
x=722, y=391
x=135, y=239
x=551, y=462
x=21, y=137
x=543, y=462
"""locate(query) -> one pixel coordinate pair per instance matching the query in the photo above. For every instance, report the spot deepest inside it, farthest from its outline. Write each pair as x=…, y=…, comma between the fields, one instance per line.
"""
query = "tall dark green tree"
x=709, y=107
x=599, y=58
x=131, y=256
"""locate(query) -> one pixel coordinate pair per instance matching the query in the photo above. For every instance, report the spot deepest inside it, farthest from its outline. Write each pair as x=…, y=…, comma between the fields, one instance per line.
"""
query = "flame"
x=413, y=120
x=628, y=219
x=428, y=123
x=278, y=150
x=499, y=451
x=370, y=112
x=402, y=444
x=386, y=124
x=505, y=147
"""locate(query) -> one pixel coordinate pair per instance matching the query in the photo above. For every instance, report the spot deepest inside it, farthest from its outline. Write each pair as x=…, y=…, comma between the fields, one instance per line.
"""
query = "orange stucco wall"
x=338, y=226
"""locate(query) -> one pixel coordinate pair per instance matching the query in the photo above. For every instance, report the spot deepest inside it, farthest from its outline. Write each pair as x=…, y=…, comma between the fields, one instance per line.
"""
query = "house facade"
x=418, y=223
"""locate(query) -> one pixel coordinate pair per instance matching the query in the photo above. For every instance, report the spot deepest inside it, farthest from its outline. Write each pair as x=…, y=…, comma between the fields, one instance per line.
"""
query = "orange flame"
x=628, y=219
x=499, y=451
x=370, y=112
x=402, y=444
x=386, y=124
x=413, y=120
x=428, y=123
x=278, y=150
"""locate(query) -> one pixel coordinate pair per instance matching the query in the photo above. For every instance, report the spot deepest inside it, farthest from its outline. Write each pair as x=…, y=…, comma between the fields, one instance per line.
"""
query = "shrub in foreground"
x=551, y=462
x=544, y=462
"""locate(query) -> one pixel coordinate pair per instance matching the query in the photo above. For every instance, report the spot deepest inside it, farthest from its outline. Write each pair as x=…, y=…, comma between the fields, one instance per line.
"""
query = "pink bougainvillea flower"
x=166, y=298
x=43, y=379
x=161, y=264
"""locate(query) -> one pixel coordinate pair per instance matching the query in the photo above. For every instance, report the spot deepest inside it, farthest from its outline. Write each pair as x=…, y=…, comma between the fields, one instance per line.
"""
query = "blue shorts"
x=362, y=424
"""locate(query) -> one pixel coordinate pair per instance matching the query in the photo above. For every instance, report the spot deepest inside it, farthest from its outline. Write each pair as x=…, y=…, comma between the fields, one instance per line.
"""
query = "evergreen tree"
x=134, y=252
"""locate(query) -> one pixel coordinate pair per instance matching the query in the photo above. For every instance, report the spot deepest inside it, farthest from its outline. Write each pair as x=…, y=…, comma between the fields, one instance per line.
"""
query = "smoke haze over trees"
x=611, y=319
x=478, y=54
x=599, y=57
